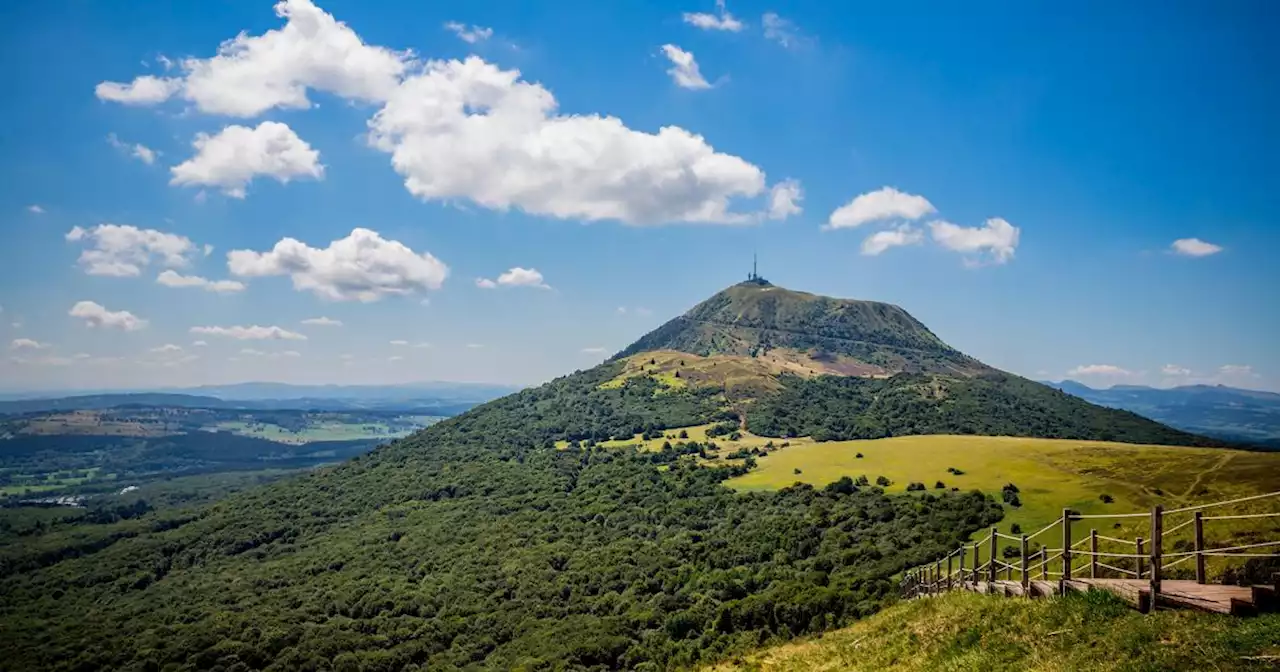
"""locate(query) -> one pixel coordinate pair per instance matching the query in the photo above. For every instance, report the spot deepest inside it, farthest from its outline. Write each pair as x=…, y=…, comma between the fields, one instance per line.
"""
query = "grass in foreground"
x=1051, y=474
x=966, y=631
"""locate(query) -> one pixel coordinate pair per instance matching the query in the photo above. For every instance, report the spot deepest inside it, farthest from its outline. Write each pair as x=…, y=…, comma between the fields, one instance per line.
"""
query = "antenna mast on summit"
x=754, y=275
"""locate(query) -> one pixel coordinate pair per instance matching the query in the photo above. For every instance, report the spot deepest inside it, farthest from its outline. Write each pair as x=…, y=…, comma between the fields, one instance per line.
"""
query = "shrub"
x=939, y=486
x=1106, y=499
x=858, y=456
x=798, y=472
x=883, y=481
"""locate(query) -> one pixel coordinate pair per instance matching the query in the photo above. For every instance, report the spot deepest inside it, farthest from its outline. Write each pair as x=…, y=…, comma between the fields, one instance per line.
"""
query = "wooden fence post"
x=1199, y=525
x=977, y=562
x=1093, y=559
x=1044, y=564
x=1026, y=580
x=1157, y=543
x=937, y=573
x=991, y=571
x=1066, y=549
x=963, y=552
x=1141, y=557
x=949, y=571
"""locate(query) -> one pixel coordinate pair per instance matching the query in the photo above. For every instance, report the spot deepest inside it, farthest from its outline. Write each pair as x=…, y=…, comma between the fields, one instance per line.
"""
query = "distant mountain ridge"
x=1228, y=413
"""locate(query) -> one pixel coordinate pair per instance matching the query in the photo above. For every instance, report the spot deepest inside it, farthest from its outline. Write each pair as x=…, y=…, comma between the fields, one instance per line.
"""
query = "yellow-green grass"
x=966, y=631
x=696, y=433
x=1051, y=474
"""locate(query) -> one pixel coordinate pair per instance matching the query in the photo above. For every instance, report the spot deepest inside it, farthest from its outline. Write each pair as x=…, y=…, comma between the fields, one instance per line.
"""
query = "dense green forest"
x=475, y=544
x=994, y=404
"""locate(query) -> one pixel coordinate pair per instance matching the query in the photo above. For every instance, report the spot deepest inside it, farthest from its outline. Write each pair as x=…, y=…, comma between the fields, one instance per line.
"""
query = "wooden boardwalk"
x=1216, y=598
x=1141, y=582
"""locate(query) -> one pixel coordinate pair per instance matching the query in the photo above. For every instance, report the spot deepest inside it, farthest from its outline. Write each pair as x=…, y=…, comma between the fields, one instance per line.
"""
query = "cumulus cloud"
x=238, y=154
x=94, y=315
x=721, y=20
x=252, y=74
x=175, y=279
x=122, y=250
x=27, y=344
x=996, y=240
x=166, y=348
x=475, y=34
x=1175, y=370
x=515, y=277
x=361, y=267
x=882, y=240
x=882, y=204
x=145, y=90
x=1194, y=247
x=322, y=322
x=35, y=209
x=684, y=68
x=469, y=130
x=250, y=333
x=138, y=151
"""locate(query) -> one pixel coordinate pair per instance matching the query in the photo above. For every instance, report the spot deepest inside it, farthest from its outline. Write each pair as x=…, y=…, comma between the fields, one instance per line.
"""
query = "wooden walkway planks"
x=1221, y=599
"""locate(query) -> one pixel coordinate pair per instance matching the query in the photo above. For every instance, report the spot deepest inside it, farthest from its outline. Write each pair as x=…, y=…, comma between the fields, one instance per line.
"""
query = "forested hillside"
x=476, y=544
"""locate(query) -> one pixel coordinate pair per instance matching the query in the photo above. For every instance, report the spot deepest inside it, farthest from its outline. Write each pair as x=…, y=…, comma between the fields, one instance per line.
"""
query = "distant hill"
x=1228, y=413
x=437, y=398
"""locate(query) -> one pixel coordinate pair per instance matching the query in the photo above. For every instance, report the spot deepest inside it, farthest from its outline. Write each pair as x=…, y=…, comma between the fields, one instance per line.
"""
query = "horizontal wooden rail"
x=1081, y=566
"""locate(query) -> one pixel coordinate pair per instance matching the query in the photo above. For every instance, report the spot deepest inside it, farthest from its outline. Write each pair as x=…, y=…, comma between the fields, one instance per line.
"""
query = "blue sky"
x=1015, y=177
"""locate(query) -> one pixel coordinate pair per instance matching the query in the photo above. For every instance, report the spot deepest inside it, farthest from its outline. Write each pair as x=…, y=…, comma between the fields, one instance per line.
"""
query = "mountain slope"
x=966, y=631
x=797, y=364
x=750, y=319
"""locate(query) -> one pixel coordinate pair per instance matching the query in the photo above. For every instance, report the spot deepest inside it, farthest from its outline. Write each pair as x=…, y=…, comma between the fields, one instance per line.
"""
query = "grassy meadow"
x=967, y=631
x=1051, y=474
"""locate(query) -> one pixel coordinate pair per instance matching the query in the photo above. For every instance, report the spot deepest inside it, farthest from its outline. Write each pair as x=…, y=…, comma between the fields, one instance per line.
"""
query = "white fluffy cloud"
x=515, y=277
x=166, y=348
x=238, y=154
x=322, y=322
x=361, y=267
x=27, y=344
x=784, y=199
x=684, y=68
x=122, y=250
x=251, y=333
x=721, y=20
x=882, y=240
x=1100, y=371
x=138, y=151
x=997, y=239
x=174, y=279
x=94, y=315
x=1194, y=247
x=35, y=209
x=469, y=130
x=145, y=90
x=252, y=74
x=1175, y=370
x=882, y=204
x=471, y=36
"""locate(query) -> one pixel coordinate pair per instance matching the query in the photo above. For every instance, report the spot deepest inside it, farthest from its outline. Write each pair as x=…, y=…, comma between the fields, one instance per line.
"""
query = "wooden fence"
x=1095, y=561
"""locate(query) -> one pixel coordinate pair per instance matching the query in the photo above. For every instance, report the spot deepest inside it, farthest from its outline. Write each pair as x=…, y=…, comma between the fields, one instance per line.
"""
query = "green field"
x=319, y=431
x=1051, y=474
x=695, y=433
x=966, y=631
